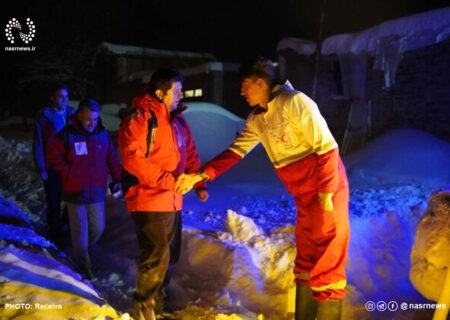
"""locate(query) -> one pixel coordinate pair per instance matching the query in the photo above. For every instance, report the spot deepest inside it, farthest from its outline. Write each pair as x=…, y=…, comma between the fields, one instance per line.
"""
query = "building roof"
x=119, y=49
x=411, y=32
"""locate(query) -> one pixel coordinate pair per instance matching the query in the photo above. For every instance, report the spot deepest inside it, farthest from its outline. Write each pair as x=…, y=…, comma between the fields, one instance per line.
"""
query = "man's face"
x=88, y=119
x=173, y=95
x=253, y=92
x=60, y=99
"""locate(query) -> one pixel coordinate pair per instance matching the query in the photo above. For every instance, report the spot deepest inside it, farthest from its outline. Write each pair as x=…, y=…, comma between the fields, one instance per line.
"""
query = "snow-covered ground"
x=238, y=248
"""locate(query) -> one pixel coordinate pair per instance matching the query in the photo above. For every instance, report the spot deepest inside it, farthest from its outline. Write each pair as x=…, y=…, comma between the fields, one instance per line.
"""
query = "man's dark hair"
x=58, y=86
x=88, y=103
x=162, y=79
x=259, y=67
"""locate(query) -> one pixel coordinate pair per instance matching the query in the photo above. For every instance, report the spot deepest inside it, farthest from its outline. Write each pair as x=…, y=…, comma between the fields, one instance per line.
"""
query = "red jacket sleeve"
x=221, y=163
x=133, y=146
x=56, y=152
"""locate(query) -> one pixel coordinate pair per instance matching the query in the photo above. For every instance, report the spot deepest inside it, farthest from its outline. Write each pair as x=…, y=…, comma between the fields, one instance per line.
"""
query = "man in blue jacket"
x=84, y=154
x=50, y=121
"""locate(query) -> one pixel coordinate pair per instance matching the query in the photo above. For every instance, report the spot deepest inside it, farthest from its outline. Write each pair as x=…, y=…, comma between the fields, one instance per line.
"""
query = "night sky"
x=231, y=29
x=69, y=32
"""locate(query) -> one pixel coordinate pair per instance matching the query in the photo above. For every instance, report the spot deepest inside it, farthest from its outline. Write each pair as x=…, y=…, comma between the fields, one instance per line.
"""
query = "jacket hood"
x=179, y=110
x=280, y=87
x=49, y=113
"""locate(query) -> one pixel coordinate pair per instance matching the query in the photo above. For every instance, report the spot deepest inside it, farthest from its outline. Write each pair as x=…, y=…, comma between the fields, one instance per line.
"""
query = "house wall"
x=112, y=68
x=300, y=72
x=420, y=97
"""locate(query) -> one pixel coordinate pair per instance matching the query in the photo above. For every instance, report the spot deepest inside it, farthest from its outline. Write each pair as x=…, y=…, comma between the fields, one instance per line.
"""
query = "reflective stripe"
x=302, y=276
x=341, y=284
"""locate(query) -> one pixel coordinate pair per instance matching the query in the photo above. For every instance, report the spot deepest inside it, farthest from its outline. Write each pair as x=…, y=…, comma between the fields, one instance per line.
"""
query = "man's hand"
x=44, y=175
x=116, y=189
x=202, y=194
x=185, y=182
x=326, y=201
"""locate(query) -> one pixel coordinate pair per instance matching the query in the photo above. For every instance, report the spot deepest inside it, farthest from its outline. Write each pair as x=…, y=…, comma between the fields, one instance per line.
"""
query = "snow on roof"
x=421, y=30
x=145, y=75
x=140, y=51
x=210, y=66
x=142, y=75
x=414, y=31
x=302, y=47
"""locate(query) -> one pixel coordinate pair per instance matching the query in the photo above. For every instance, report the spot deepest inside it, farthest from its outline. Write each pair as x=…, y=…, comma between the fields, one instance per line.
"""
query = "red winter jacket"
x=84, y=159
x=172, y=152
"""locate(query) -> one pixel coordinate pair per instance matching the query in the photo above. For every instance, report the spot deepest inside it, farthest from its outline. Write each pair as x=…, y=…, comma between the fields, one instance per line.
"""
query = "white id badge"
x=80, y=148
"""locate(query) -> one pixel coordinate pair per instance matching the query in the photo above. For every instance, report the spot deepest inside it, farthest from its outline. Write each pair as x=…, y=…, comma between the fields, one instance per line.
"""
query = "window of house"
x=191, y=93
x=198, y=92
x=188, y=93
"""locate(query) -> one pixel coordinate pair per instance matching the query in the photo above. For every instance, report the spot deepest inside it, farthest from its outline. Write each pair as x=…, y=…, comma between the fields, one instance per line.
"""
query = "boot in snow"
x=142, y=311
x=329, y=310
x=305, y=304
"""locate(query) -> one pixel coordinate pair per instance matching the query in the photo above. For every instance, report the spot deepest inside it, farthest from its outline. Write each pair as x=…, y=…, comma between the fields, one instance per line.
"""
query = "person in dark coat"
x=51, y=120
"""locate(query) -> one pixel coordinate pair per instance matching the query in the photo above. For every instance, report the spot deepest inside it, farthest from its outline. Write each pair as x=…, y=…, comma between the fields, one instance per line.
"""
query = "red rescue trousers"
x=322, y=239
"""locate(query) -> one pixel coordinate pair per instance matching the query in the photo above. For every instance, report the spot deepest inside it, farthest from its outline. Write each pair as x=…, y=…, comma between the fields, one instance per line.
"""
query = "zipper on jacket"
x=174, y=139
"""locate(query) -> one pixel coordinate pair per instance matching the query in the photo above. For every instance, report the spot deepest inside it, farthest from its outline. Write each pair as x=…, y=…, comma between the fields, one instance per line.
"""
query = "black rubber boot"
x=305, y=304
x=144, y=311
x=329, y=310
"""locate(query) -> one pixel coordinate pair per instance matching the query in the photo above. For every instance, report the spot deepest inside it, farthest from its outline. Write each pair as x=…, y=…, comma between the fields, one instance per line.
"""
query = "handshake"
x=185, y=183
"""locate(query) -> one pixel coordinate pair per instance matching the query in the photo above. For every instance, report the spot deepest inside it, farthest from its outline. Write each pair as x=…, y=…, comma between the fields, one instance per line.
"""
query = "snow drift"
x=430, y=255
x=213, y=127
x=403, y=156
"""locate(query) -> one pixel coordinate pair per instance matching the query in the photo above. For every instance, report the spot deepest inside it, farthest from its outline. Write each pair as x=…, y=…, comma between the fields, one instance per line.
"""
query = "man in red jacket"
x=84, y=154
x=156, y=145
x=306, y=158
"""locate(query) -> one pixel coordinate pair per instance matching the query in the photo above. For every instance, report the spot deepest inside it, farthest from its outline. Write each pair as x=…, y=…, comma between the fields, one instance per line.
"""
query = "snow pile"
x=404, y=156
x=16, y=228
x=212, y=126
x=302, y=47
x=19, y=181
x=250, y=274
x=36, y=279
x=33, y=273
x=239, y=247
x=110, y=115
x=430, y=256
x=240, y=227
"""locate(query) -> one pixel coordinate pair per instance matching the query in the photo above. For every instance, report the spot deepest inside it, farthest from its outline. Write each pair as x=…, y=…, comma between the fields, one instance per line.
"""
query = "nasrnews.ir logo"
x=14, y=27
x=15, y=24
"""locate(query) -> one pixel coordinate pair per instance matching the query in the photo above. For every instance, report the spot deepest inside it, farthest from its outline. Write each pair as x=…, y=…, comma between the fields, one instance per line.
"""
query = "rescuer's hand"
x=202, y=194
x=185, y=182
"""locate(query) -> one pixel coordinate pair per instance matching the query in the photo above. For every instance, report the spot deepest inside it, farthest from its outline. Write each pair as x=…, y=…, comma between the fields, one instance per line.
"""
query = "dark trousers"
x=87, y=222
x=53, y=190
x=159, y=238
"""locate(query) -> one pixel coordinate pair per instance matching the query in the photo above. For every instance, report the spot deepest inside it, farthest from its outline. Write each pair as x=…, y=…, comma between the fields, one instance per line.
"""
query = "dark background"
x=230, y=29
x=67, y=32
